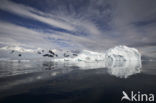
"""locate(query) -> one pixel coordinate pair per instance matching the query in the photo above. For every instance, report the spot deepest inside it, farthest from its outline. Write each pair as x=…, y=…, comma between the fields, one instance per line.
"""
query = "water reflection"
x=121, y=69
x=124, y=69
x=30, y=71
x=47, y=81
x=10, y=68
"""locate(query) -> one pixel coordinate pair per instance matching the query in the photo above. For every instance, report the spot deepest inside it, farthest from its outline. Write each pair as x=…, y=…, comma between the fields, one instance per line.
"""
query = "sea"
x=37, y=81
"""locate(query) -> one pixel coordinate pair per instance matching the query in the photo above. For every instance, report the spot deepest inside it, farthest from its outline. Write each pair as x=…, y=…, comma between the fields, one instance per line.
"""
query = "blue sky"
x=79, y=24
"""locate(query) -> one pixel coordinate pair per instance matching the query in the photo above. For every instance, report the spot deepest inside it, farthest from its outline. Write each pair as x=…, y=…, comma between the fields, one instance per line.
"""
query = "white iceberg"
x=122, y=53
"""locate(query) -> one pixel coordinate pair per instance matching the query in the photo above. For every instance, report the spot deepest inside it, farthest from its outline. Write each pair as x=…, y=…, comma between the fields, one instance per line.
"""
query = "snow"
x=90, y=56
x=118, y=53
x=123, y=53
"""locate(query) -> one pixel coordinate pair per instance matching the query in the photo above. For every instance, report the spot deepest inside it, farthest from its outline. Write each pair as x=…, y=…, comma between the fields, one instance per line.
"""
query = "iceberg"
x=123, y=61
x=122, y=53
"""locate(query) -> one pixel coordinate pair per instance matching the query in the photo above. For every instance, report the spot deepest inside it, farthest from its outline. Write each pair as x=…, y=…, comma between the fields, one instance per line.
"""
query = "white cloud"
x=25, y=11
x=16, y=48
x=123, y=31
x=15, y=35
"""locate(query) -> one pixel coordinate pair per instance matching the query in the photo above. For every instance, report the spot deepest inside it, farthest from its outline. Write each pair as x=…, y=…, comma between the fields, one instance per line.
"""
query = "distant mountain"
x=17, y=52
x=117, y=53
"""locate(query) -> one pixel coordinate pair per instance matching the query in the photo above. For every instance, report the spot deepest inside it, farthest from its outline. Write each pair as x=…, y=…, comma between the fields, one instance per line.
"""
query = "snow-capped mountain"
x=17, y=52
x=119, y=53
x=84, y=56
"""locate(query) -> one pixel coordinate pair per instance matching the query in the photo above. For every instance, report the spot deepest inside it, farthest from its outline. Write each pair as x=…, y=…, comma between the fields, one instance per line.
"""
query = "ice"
x=122, y=53
x=123, y=61
x=118, y=53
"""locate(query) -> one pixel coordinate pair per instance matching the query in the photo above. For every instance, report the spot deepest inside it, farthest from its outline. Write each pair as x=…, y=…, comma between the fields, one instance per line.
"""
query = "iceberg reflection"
x=124, y=69
x=118, y=68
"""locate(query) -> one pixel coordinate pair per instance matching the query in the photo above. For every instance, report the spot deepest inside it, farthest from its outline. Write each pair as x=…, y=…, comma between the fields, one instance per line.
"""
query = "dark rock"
x=48, y=65
x=48, y=55
x=56, y=55
x=74, y=54
x=51, y=52
x=66, y=55
x=12, y=51
x=19, y=55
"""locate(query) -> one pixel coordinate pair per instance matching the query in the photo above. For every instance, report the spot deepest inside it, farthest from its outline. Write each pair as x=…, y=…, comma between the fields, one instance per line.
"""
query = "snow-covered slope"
x=89, y=56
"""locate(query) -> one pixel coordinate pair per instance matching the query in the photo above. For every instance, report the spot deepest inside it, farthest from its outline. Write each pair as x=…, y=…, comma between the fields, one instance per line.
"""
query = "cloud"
x=127, y=13
x=15, y=35
x=20, y=36
x=19, y=49
x=88, y=24
x=26, y=35
x=29, y=12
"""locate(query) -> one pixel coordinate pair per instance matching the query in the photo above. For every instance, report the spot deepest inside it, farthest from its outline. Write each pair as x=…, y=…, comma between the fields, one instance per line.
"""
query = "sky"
x=79, y=24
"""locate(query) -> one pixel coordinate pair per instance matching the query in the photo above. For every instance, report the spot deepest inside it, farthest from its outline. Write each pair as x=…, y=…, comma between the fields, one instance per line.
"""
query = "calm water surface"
x=51, y=82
